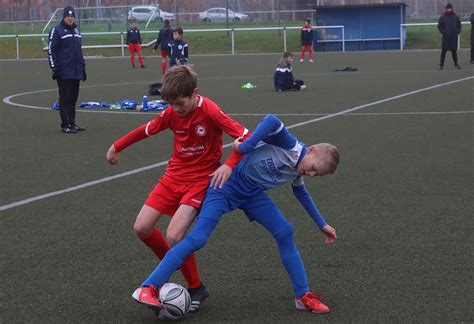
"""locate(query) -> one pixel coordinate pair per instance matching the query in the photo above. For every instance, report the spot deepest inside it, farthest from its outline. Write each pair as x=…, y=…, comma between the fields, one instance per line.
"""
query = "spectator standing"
x=165, y=37
x=134, y=41
x=307, y=40
x=449, y=25
x=178, y=48
x=67, y=62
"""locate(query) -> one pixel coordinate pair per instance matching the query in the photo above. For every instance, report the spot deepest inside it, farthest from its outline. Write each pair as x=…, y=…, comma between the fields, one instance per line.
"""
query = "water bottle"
x=145, y=103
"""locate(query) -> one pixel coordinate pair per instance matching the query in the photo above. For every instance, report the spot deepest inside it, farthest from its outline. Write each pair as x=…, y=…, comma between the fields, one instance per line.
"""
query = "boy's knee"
x=198, y=239
x=285, y=230
x=143, y=232
x=173, y=238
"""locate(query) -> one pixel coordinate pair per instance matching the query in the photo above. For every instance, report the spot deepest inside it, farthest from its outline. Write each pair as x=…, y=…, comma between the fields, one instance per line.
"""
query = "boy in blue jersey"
x=178, y=48
x=272, y=157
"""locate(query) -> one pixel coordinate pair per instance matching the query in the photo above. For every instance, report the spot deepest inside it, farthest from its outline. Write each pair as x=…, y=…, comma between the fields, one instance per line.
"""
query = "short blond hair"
x=178, y=81
x=330, y=154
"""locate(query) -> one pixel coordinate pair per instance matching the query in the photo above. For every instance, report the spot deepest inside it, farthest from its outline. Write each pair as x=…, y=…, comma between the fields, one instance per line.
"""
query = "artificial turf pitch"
x=401, y=201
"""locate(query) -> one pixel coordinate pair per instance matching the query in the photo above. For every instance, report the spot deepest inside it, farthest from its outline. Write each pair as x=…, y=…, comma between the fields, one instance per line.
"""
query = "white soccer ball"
x=175, y=300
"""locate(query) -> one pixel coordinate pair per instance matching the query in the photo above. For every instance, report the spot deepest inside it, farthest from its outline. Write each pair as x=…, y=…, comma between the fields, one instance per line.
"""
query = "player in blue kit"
x=273, y=157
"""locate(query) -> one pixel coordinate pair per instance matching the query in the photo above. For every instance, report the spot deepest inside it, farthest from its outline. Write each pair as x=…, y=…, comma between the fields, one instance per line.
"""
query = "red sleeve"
x=134, y=136
x=151, y=128
x=230, y=127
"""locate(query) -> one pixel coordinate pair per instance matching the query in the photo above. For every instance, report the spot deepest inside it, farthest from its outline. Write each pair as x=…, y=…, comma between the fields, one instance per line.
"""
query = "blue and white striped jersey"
x=270, y=166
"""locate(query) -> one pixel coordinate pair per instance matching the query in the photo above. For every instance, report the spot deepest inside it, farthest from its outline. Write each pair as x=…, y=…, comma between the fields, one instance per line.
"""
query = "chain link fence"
x=32, y=10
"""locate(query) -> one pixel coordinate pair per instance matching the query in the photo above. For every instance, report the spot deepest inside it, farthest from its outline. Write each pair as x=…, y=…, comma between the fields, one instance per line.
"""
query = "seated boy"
x=273, y=158
x=283, y=77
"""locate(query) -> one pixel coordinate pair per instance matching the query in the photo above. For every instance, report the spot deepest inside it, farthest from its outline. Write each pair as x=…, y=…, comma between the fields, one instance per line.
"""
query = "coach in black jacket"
x=66, y=60
x=449, y=25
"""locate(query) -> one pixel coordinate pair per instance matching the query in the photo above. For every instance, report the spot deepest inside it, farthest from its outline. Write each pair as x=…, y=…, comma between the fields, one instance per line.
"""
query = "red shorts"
x=167, y=195
x=134, y=48
x=164, y=53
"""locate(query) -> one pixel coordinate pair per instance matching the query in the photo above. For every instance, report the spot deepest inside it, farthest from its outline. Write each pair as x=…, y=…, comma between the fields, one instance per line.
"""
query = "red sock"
x=132, y=58
x=163, y=67
x=310, y=53
x=157, y=243
x=302, y=52
x=141, y=60
x=190, y=272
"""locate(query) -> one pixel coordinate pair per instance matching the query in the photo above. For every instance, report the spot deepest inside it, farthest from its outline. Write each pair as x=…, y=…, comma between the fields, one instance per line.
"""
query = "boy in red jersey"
x=197, y=124
x=307, y=40
x=134, y=42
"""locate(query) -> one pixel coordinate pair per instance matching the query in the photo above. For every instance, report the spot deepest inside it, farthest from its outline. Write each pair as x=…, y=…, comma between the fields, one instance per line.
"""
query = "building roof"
x=393, y=4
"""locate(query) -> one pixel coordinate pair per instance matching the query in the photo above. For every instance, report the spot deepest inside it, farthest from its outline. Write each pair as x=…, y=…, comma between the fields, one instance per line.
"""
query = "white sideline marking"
x=120, y=175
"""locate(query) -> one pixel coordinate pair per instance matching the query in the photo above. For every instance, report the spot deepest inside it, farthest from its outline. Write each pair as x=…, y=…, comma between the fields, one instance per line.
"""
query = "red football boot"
x=147, y=297
x=310, y=302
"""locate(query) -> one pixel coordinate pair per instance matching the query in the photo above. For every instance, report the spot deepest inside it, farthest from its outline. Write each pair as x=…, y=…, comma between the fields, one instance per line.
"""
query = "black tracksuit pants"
x=443, y=56
x=68, y=93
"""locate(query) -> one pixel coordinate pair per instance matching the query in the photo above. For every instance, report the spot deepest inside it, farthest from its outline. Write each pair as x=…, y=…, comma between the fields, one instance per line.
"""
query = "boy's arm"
x=128, y=36
x=270, y=130
x=152, y=127
x=186, y=53
x=139, y=37
x=305, y=199
x=158, y=40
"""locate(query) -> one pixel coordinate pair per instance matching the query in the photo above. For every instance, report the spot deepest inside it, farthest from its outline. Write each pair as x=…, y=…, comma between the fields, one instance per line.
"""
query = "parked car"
x=144, y=13
x=219, y=14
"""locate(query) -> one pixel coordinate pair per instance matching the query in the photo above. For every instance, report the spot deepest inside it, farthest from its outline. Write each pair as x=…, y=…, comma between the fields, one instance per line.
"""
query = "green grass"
x=426, y=37
x=401, y=200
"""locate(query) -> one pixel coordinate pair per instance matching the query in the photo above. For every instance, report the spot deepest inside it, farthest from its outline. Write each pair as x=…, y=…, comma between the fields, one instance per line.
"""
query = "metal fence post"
x=343, y=39
x=17, y=48
x=284, y=39
x=121, y=44
x=233, y=41
x=401, y=37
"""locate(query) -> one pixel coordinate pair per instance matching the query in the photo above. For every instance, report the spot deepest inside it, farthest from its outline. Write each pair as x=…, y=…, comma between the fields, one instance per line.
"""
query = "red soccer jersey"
x=197, y=139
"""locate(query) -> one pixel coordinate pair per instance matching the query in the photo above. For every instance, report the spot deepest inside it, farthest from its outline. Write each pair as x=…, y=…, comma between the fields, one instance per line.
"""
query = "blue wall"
x=375, y=27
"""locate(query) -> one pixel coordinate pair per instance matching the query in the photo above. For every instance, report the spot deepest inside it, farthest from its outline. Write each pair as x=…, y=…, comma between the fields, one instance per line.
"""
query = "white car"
x=145, y=13
x=219, y=14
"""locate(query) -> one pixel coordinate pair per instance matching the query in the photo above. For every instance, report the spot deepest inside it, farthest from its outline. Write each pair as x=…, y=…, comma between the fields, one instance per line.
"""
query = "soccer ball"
x=175, y=300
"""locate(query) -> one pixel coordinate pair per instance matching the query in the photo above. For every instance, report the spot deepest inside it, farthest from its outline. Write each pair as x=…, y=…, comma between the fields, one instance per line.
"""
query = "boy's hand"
x=236, y=143
x=220, y=176
x=112, y=156
x=330, y=233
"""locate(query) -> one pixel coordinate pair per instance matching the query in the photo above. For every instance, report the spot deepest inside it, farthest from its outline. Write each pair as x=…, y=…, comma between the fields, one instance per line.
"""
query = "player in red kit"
x=197, y=123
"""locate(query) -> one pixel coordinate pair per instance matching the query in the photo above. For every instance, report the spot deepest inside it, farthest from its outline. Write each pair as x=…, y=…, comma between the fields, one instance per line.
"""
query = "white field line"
x=152, y=166
x=8, y=100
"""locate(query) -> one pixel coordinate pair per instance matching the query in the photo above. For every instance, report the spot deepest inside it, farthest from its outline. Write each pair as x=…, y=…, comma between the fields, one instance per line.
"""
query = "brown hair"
x=179, y=81
x=178, y=30
x=287, y=55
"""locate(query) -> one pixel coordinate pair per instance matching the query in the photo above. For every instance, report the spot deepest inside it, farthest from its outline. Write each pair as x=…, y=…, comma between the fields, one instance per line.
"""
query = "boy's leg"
x=177, y=228
x=303, y=47
x=310, y=47
x=146, y=231
x=131, y=49
x=139, y=53
x=164, y=61
x=210, y=215
x=262, y=209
